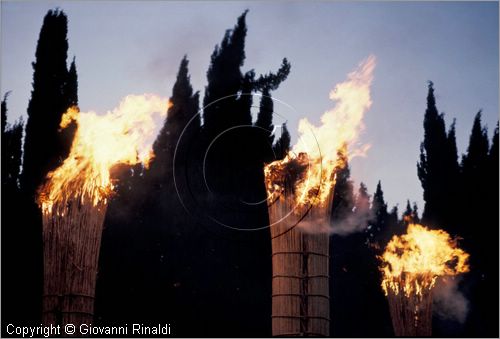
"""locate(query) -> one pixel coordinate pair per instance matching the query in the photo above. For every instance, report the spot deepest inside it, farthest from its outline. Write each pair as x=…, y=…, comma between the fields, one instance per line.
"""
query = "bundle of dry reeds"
x=300, y=282
x=411, y=313
x=72, y=237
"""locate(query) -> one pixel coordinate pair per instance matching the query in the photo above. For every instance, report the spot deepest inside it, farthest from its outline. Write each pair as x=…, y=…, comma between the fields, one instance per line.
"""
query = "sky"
x=135, y=47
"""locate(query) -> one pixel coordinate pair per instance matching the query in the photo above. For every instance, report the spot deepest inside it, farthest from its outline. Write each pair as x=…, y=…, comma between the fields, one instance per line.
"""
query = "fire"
x=322, y=150
x=122, y=136
x=413, y=261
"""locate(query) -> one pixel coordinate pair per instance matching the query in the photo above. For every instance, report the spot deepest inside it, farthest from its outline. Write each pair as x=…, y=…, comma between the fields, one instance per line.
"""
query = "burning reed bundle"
x=411, y=264
x=300, y=193
x=72, y=237
x=300, y=281
x=411, y=314
x=74, y=200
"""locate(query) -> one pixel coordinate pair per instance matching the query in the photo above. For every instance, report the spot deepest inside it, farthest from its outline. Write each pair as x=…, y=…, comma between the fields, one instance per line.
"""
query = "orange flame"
x=412, y=262
x=122, y=136
x=322, y=150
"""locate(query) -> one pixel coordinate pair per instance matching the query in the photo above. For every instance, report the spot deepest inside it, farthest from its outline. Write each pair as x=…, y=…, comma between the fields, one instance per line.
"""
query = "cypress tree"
x=225, y=79
x=474, y=162
x=379, y=213
x=343, y=197
x=282, y=146
x=475, y=186
x=236, y=150
x=493, y=179
x=265, y=116
x=480, y=227
x=4, y=111
x=71, y=86
x=416, y=218
x=362, y=205
x=184, y=111
x=408, y=213
x=54, y=89
x=393, y=224
x=11, y=151
x=438, y=168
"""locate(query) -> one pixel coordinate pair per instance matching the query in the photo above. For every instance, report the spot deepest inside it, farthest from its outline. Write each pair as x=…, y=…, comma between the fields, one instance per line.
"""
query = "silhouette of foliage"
x=54, y=90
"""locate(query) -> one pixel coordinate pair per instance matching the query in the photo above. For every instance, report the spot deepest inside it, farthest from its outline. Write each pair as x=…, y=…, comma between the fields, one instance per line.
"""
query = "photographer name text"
x=86, y=329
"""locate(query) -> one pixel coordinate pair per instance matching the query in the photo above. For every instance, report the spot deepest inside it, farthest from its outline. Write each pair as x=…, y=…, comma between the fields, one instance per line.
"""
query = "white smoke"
x=352, y=223
x=449, y=302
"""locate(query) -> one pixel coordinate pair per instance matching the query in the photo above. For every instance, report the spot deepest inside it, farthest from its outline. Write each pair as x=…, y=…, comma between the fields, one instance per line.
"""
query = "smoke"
x=449, y=302
x=354, y=222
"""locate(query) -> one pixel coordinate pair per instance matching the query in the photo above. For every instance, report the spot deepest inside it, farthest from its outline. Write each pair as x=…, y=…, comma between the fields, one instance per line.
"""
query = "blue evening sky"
x=134, y=47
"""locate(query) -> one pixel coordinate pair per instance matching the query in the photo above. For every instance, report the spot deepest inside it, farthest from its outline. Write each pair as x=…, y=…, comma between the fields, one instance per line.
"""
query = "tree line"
x=170, y=252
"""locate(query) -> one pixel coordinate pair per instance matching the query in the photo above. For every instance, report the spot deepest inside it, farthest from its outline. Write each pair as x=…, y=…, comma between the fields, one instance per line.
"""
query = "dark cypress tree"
x=490, y=240
x=71, y=86
x=480, y=230
x=474, y=172
x=264, y=124
x=362, y=205
x=415, y=216
x=474, y=162
x=452, y=149
x=394, y=225
x=54, y=88
x=493, y=155
x=282, y=146
x=235, y=149
x=184, y=110
x=343, y=196
x=475, y=187
x=451, y=185
x=438, y=168
x=4, y=111
x=377, y=233
x=408, y=213
x=265, y=116
x=11, y=151
x=493, y=164
x=225, y=79
x=267, y=83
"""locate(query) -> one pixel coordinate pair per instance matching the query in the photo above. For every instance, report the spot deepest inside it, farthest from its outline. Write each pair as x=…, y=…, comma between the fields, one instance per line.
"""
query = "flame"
x=413, y=261
x=122, y=136
x=321, y=151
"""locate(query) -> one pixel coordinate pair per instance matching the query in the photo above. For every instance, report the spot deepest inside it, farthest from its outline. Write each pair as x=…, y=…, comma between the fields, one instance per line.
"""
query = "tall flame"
x=321, y=150
x=121, y=136
x=413, y=261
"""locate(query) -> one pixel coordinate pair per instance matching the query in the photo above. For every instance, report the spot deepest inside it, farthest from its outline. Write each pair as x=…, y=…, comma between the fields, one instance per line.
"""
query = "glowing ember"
x=313, y=160
x=412, y=262
x=121, y=136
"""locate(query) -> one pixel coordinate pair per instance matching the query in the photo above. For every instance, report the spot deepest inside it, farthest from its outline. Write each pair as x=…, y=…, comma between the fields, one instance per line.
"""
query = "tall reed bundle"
x=300, y=293
x=72, y=238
